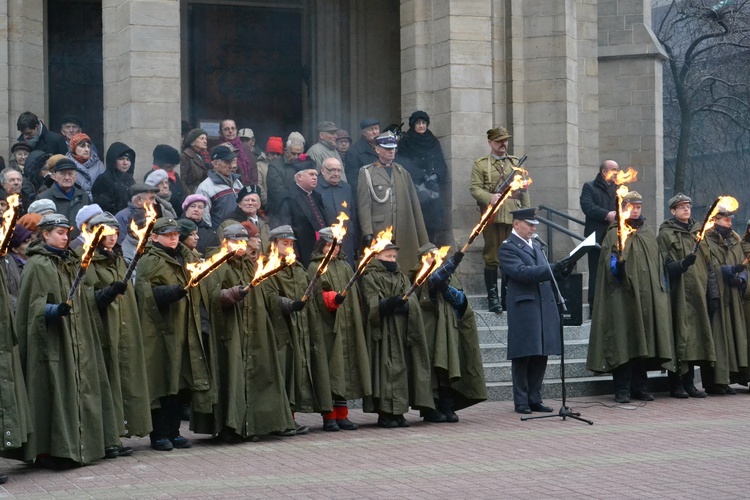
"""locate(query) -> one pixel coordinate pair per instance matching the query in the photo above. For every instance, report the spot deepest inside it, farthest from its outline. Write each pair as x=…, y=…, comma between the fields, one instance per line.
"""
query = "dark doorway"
x=245, y=63
x=74, y=49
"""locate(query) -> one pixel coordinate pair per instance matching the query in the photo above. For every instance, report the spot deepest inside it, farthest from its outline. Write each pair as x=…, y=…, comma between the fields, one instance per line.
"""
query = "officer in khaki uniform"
x=487, y=174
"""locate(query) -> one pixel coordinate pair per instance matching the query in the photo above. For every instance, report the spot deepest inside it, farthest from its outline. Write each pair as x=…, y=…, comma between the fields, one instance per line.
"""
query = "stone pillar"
x=142, y=75
x=23, y=77
x=630, y=98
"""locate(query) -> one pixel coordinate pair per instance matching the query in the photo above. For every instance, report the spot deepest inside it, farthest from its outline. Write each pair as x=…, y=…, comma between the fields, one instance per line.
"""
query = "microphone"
x=540, y=240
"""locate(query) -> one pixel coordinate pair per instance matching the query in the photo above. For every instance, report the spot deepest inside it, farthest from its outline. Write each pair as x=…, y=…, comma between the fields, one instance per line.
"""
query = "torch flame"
x=91, y=238
x=290, y=256
x=435, y=255
x=338, y=230
x=622, y=227
x=724, y=204
x=195, y=269
x=377, y=245
x=13, y=204
x=626, y=176
x=236, y=245
x=267, y=264
x=140, y=233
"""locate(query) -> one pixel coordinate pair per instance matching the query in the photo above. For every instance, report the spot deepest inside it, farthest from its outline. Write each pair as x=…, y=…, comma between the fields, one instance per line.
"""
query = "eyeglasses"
x=333, y=170
x=229, y=128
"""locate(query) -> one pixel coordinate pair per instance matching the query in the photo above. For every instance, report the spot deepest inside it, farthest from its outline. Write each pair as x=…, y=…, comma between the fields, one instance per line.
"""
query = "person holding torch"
x=631, y=330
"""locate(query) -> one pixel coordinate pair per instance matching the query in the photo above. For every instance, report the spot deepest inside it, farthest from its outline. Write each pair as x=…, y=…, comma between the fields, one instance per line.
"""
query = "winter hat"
x=191, y=136
x=86, y=213
x=165, y=154
x=252, y=229
x=275, y=145
x=295, y=137
x=418, y=115
x=20, y=145
x=72, y=119
x=77, y=139
x=192, y=199
x=52, y=161
x=186, y=228
x=20, y=234
x=156, y=176
x=42, y=207
x=30, y=221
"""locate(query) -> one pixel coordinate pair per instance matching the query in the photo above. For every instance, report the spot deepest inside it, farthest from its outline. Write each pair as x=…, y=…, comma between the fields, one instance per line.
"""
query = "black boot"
x=445, y=405
x=490, y=281
x=688, y=382
x=676, y=390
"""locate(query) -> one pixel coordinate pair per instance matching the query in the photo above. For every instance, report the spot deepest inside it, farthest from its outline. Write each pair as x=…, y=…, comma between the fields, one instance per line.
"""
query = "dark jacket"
x=49, y=142
x=333, y=198
x=533, y=321
x=207, y=237
x=597, y=200
x=194, y=170
x=280, y=179
x=68, y=207
x=112, y=189
x=295, y=210
x=360, y=154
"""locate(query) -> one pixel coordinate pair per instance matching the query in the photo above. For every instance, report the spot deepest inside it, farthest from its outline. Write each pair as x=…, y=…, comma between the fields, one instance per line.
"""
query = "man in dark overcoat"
x=533, y=319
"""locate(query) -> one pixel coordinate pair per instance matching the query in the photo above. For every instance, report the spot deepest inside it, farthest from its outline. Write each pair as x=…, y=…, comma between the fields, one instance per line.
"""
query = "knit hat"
x=275, y=145
x=156, y=176
x=296, y=137
x=191, y=136
x=194, y=198
x=53, y=160
x=77, y=139
x=42, y=207
x=87, y=212
x=20, y=235
x=186, y=228
x=30, y=221
x=165, y=154
x=418, y=115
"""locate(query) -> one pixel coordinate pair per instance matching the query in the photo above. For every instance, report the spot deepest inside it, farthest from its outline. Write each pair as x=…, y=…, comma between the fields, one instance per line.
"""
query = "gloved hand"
x=298, y=305
x=738, y=268
x=167, y=294
x=119, y=287
x=56, y=311
x=63, y=309
x=241, y=290
x=339, y=299
x=441, y=286
x=366, y=240
x=560, y=266
x=688, y=261
x=390, y=304
x=736, y=282
x=458, y=257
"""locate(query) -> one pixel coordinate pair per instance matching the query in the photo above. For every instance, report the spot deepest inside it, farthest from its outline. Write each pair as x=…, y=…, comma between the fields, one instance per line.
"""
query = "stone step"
x=577, y=387
x=495, y=353
x=499, y=334
x=574, y=368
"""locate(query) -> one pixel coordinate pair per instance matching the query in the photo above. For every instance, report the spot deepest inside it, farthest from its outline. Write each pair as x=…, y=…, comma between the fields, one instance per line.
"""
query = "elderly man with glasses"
x=338, y=197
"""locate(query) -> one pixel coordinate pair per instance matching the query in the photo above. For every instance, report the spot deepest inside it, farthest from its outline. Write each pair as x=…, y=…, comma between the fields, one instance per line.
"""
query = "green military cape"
x=172, y=341
x=631, y=320
x=453, y=345
x=122, y=346
x=252, y=398
x=15, y=417
x=302, y=351
x=70, y=398
x=729, y=328
x=691, y=324
x=399, y=360
x=343, y=333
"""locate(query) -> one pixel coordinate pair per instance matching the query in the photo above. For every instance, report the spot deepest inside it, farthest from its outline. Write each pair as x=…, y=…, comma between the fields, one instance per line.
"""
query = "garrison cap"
x=632, y=197
x=326, y=234
x=426, y=248
x=54, y=220
x=166, y=225
x=282, y=232
x=235, y=232
x=679, y=199
x=105, y=218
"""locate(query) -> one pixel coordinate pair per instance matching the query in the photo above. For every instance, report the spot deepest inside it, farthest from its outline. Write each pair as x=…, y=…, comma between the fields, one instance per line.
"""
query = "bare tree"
x=706, y=92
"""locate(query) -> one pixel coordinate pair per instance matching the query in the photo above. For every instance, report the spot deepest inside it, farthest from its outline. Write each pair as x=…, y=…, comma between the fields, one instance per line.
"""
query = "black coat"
x=533, y=320
x=111, y=190
x=597, y=200
x=359, y=155
x=49, y=142
x=295, y=211
x=68, y=207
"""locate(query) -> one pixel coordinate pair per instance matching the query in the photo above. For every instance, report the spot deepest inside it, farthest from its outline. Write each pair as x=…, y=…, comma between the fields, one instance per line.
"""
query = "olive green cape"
x=252, y=399
x=399, y=360
x=70, y=398
x=302, y=351
x=343, y=333
x=691, y=324
x=631, y=319
x=122, y=345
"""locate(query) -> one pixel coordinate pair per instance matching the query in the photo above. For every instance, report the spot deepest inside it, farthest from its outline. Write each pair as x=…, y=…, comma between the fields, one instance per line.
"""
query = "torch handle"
x=5, y=244
x=310, y=288
x=132, y=265
x=209, y=270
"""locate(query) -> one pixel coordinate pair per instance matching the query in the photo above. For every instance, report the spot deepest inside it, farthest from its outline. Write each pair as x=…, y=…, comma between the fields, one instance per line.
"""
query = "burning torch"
x=431, y=261
x=272, y=265
x=91, y=240
x=10, y=216
x=722, y=203
x=143, y=235
x=338, y=231
x=377, y=246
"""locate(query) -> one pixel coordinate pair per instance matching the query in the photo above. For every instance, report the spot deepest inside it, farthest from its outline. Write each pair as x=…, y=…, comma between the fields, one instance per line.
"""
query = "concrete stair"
x=493, y=338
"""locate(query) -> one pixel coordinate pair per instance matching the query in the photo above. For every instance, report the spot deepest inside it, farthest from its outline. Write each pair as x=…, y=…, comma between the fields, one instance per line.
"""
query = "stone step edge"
x=577, y=380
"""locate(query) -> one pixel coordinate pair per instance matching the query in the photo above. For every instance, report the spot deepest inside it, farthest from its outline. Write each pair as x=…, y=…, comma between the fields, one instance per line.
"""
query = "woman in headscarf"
x=88, y=164
x=195, y=160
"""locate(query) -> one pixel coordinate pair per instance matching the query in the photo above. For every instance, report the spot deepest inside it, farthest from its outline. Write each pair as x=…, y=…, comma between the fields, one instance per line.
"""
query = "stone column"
x=630, y=97
x=23, y=76
x=142, y=75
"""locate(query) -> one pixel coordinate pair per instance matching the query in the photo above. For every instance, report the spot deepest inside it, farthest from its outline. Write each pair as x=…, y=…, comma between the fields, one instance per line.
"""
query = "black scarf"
x=389, y=266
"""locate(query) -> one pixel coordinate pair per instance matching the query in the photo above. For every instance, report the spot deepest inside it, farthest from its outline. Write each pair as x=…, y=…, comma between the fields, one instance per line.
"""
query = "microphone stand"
x=564, y=412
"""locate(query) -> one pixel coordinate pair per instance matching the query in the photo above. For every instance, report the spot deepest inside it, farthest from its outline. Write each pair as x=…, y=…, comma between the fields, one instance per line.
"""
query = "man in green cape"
x=170, y=322
x=452, y=341
x=399, y=360
x=631, y=327
x=688, y=284
x=343, y=333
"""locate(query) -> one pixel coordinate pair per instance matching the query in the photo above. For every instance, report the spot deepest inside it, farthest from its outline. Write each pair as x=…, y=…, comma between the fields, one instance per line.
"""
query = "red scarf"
x=171, y=175
x=205, y=155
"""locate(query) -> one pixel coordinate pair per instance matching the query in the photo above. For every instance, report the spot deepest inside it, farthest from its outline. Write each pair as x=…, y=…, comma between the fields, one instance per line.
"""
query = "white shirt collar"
x=528, y=242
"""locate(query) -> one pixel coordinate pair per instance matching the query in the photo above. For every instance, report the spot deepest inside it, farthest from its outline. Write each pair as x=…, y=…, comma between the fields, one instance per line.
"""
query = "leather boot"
x=490, y=281
x=676, y=390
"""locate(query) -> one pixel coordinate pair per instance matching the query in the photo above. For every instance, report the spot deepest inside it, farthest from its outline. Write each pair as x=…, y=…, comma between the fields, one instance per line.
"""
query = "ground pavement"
x=665, y=449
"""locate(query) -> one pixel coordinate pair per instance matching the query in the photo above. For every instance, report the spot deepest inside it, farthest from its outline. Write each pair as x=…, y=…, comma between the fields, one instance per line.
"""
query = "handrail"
x=552, y=225
x=562, y=214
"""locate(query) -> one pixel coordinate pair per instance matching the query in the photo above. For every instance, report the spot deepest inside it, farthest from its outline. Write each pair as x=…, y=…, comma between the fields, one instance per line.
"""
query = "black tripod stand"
x=564, y=412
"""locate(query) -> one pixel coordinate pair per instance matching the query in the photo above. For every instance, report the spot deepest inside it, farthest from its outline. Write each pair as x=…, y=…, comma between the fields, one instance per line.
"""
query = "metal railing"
x=552, y=225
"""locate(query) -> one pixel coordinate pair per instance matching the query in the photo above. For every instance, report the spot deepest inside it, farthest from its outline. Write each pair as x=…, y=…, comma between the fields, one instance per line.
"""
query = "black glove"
x=63, y=309
x=390, y=304
x=458, y=257
x=688, y=261
x=119, y=287
x=167, y=294
x=736, y=282
x=339, y=299
x=560, y=266
x=105, y=296
x=366, y=240
x=441, y=286
x=738, y=268
x=298, y=305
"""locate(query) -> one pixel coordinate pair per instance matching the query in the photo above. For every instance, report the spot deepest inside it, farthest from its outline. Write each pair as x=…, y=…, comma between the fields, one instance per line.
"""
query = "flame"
x=723, y=204
x=91, y=238
x=140, y=233
x=627, y=176
x=622, y=227
x=266, y=265
x=430, y=262
x=290, y=256
x=235, y=245
x=13, y=203
x=338, y=230
x=344, y=204
x=195, y=269
x=377, y=245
